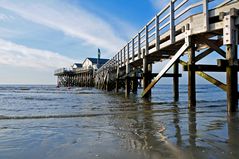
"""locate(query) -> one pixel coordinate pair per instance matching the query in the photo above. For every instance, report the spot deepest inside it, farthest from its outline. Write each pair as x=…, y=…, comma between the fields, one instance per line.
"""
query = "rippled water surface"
x=78, y=123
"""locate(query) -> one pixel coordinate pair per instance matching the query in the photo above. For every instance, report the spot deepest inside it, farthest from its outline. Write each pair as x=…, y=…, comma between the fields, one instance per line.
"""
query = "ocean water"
x=85, y=123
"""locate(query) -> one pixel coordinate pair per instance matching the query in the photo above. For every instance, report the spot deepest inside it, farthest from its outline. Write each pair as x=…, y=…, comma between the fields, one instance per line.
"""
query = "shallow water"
x=48, y=122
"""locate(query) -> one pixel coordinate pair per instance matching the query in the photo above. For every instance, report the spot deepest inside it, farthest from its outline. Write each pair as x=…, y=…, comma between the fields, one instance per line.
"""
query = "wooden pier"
x=75, y=78
x=80, y=74
x=180, y=29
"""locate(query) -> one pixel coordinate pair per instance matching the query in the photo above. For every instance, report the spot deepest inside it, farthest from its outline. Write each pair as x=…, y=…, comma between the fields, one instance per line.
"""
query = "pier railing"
x=70, y=70
x=62, y=71
x=81, y=70
x=162, y=30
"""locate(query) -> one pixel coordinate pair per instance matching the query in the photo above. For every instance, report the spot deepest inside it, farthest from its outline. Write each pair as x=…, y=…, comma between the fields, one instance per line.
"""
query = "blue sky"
x=37, y=37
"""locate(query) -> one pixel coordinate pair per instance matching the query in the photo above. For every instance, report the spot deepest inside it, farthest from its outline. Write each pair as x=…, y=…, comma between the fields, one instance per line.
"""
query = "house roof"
x=77, y=64
x=94, y=60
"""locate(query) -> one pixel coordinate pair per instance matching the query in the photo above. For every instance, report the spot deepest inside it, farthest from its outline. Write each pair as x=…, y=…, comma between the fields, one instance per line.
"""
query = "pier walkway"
x=192, y=28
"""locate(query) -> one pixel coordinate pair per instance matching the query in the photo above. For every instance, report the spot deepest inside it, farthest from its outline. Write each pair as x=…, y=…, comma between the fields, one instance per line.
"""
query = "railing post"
x=114, y=60
x=128, y=56
x=157, y=32
x=124, y=56
x=146, y=40
x=118, y=59
x=121, y=58
x=133, y=50
x=205, y=14
x=172, y=27
x=139, y=47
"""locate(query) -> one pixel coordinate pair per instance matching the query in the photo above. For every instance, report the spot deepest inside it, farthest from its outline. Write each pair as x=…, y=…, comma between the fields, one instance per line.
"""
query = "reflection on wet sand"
x=142, y=132
x=177, y=126
x=233, y=132
x=148, y=132
x=192, y=127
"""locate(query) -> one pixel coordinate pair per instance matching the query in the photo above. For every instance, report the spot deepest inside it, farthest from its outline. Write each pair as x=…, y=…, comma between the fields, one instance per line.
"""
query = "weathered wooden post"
x=135, y=82
x=117, y=80
x=127, y=86
x=99, y=80
x=147, y=73
x=230, y=39
x=68, y=81
x=83, y=79
x=127, y=78
x=175, y=82
x=74, y=80
x=102, y=80
x=107, y=82
x=191, y=77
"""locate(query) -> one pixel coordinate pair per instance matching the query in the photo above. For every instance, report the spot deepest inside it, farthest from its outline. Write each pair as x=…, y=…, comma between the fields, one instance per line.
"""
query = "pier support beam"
x=127, y=86
x=147, y=75
x=231, y=69
x=127, y=71
x=135, y=83
x=117, y=81
x=230, y=39
x=127, y=81
x=175, y=82
x=191, y=78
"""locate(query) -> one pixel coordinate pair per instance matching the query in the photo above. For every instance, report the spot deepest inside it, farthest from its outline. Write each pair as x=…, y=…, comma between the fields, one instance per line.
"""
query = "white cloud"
x=22, y=56
x=74, y=21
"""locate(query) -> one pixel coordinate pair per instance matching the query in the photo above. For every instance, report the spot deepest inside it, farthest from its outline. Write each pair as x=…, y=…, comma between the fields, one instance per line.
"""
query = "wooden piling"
x=230, y=39
x=147, y=73
x=127, y=71
x=176, y=82
x=231, y=74
x=135, y=82
x=117, y=81
x=191, y=78
x=127, y=86
x=127, y=81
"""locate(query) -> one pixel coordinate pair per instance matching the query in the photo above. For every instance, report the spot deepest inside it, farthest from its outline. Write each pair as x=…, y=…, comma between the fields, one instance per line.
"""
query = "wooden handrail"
x=159, y=23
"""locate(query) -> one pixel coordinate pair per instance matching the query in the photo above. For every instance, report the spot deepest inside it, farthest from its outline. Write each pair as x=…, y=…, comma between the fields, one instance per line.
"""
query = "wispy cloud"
x=73, y=21
x=5, y=17
x=159, y=4
x=22, y=56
